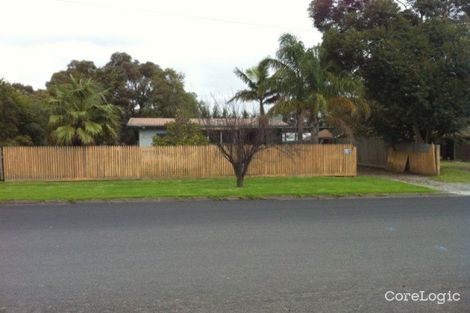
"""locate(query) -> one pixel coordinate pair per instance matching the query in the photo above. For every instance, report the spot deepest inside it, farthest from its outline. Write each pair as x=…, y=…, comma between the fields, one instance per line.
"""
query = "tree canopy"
x=181, y=132
x=414, y=59
x=138, y=89
x=23, y=117
x=81, y=115
x=309, y=91
x=261, y=87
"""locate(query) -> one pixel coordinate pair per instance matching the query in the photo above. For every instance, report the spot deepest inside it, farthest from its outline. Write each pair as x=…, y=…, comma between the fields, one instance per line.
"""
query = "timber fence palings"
x=131, y=162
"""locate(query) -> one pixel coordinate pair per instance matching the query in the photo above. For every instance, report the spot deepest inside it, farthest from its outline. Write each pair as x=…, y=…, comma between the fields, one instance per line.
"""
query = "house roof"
x=322, y=134
x=325, y=134
x=145, y=122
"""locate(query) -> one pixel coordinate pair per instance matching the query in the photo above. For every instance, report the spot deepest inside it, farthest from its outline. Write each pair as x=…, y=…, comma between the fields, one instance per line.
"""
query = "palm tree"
x=81, y=115
x=346, y=105
x=308, y=90
x=260, y=86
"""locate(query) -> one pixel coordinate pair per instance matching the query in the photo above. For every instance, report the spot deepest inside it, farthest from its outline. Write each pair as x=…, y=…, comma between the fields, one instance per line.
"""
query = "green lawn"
x=454, y=172
x=258, y=187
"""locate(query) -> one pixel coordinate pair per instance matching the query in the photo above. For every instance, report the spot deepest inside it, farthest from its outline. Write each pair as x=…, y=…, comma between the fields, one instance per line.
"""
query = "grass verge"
x=255, y=188
x=454, y=172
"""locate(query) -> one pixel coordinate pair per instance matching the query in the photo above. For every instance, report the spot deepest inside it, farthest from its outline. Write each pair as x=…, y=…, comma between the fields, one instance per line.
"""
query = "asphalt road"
x=234, y=256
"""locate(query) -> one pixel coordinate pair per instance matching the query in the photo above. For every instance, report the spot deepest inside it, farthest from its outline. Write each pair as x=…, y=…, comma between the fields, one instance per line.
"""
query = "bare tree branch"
x=240, y=139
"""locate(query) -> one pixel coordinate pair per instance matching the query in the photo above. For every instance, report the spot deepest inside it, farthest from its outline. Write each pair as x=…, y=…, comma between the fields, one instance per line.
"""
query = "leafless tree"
x=240, y=139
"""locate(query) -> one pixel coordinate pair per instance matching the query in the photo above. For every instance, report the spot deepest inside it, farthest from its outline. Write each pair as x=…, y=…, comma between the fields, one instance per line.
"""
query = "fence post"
x=437, y=153
x=2, y=165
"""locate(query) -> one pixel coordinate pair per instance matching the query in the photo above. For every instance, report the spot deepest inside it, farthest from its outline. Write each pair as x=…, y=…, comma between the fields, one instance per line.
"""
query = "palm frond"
x=64, y=135
x=84, y=136
x=244, y=77
x=244, y=96
x=92, y=128
x=286, y=106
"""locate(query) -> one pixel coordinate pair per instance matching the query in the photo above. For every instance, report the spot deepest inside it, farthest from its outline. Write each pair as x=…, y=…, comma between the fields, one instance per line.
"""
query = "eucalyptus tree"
x=413, y=57
x=261, y=88
x=81, y=115
x=23, y=117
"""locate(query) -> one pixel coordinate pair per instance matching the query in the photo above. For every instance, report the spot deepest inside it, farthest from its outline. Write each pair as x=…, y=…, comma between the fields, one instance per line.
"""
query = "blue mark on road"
x=441, y=248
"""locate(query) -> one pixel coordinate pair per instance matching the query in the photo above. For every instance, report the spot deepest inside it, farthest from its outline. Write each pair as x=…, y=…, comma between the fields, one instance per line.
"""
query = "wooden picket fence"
x=422, y=159
x=372, y=152
x=131, y=162
x=1, y=164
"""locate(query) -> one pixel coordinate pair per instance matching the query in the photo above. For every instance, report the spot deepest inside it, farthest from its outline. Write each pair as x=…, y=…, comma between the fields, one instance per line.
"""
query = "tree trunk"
x=261, y=108
x=428, y=137
x=418, y=136
x=315, y=130
x=239, y=173
x=240, y=180
x=300, y=126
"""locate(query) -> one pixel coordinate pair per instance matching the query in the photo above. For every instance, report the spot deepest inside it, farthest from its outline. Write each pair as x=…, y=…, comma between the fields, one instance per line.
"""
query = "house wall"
x=275, y=136
x=146, y=136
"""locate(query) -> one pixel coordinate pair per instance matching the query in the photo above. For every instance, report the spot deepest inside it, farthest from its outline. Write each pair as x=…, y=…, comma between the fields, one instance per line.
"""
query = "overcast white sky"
x=38, y=38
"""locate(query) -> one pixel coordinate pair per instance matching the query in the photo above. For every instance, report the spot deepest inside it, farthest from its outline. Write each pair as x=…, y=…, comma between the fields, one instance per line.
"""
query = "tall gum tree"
x=414, y=59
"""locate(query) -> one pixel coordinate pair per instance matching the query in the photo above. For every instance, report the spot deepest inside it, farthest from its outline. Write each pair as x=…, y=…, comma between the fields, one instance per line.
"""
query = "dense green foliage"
x=77, y=69
x=81, y=116
x=304, y=90
x=23, y=115
x=181, y=132
x=414, y=58
x=137, y=89
x=311, y=92
x=258, y=187
x=409, y=58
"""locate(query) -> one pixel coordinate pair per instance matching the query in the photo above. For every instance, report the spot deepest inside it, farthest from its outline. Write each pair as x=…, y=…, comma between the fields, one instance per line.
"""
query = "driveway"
x=234, y=256
x=460, y=189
